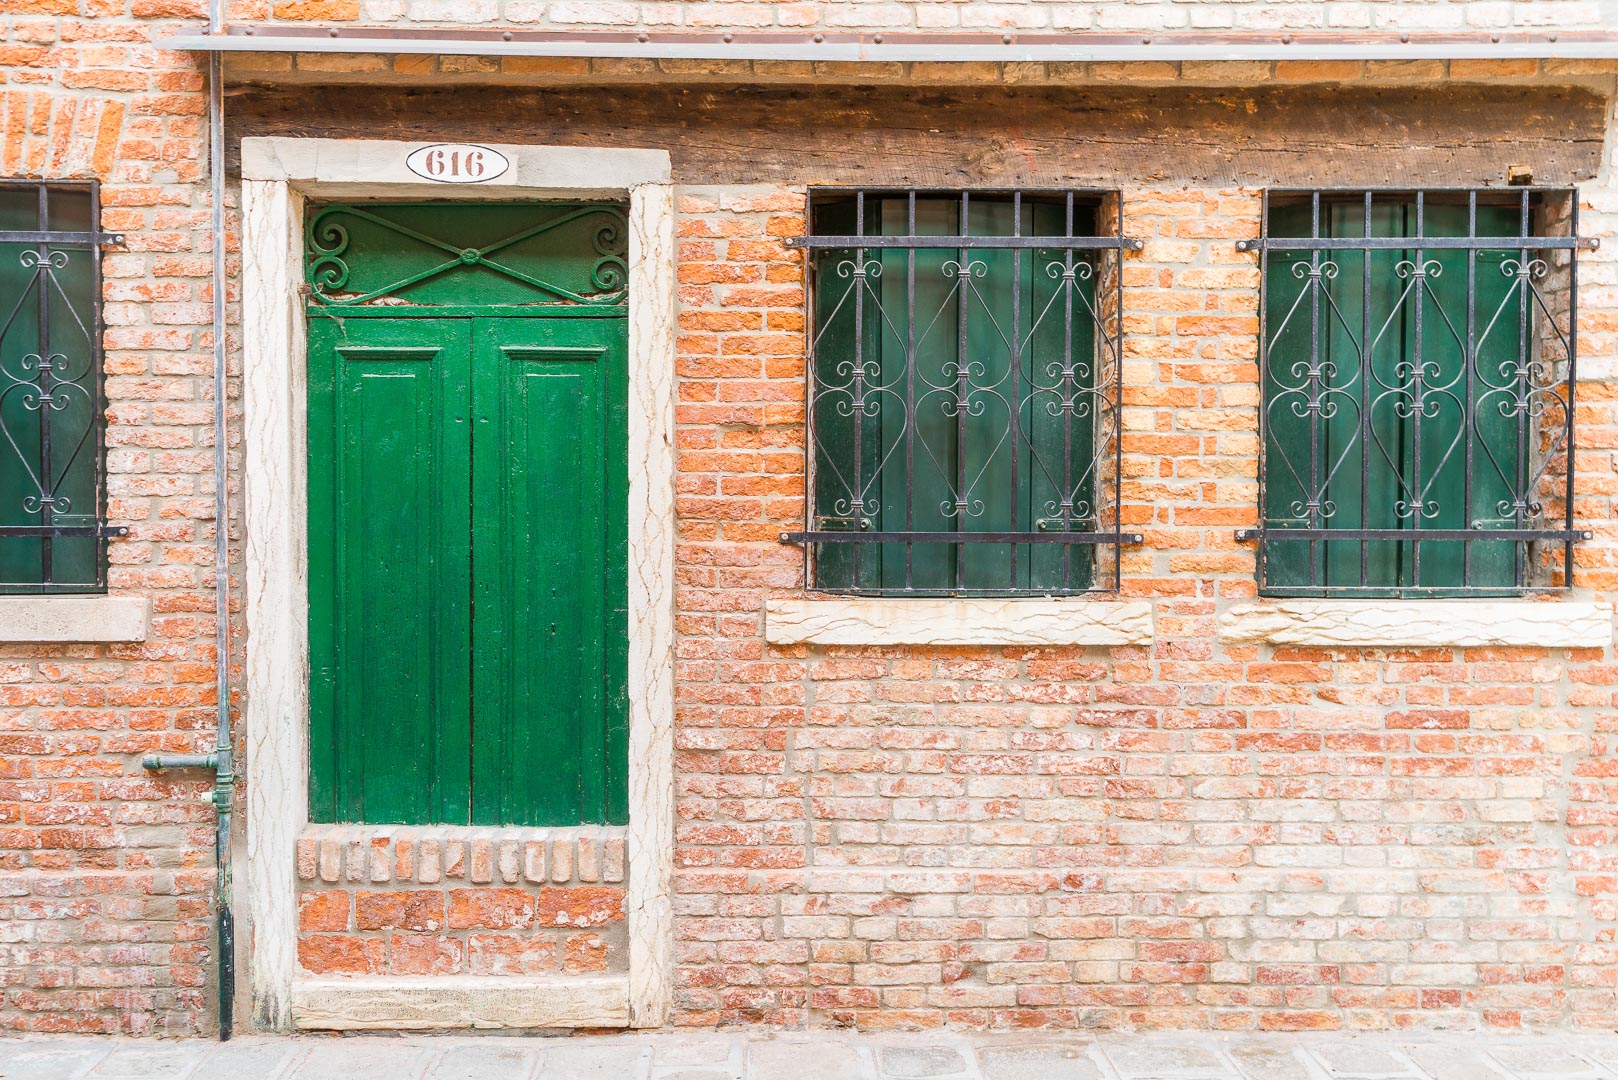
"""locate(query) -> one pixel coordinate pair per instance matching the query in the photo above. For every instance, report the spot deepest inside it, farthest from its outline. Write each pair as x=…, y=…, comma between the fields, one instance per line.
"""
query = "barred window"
x=963, y=392
x=53, y=533
x=1418, y=362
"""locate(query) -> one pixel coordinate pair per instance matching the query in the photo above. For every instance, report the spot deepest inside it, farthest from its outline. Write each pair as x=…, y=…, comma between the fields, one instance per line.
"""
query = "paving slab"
x=260, y=1059
x=1535, y=1061
x=1038, y=1063
x=920, y=1062
x=1158, y=1058
x=1271, y=1061
x=147, y=1061
x=1452, y=1061
x=1362, y=1059
x=489, y=1061
x=52, y=1059
x=364, y=1059
x=700, y=1048
x=582, y=1058
x=801, y=1059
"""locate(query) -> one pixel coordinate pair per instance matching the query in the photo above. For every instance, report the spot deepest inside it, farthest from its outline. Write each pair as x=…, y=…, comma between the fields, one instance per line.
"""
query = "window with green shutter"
x=963, y=392
x=1417, y=364
x=53, y=531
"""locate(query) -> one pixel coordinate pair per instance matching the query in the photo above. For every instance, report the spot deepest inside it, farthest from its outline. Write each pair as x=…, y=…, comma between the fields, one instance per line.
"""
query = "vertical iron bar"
x=42, y=282
x=960, y=396
x=1469, y=416
x=1525, y=383
x=1420, y=291
x=1015, y=360
x=1118, y=400
x=1261, y=556
x=1070, y=394
x=97, y=323
x=910, y=386
x=1367, y=362
x=1316, y=520
x=1572, y=381
x=858, y=509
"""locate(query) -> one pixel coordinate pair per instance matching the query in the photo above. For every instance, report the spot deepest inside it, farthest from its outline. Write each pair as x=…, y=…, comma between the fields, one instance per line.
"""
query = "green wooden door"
x=467, y=552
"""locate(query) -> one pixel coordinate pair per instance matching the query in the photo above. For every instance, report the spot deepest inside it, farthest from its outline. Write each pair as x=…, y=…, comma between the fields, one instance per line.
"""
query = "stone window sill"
x=75, y=618
x=881, y=621
x=1554, y=624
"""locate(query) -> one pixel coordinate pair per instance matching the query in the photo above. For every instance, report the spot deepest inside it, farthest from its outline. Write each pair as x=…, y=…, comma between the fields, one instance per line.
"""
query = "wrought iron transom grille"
x=964, y=391
x=535, y=254
x=53, y=530
x=1418, y=360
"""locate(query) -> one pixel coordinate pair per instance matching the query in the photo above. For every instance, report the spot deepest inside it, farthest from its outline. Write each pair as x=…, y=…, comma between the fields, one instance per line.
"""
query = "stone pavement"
x=765, y=1055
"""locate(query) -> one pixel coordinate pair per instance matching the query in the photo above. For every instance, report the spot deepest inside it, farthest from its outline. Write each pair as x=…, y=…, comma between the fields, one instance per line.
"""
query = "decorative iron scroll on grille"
x=386, y=255
x=1418, y=362
x=53, y=530
x=964, y=392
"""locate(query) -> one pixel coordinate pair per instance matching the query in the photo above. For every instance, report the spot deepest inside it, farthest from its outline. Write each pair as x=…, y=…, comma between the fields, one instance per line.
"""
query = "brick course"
x=1185, y=834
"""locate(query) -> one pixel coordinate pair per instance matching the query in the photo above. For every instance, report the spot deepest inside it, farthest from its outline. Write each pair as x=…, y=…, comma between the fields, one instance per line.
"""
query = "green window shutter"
x=923, y=440
x=50, y=396
x=1360, y=450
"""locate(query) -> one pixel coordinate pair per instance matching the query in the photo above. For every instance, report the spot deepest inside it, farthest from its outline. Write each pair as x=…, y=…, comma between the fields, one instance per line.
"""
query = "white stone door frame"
x=278, y=174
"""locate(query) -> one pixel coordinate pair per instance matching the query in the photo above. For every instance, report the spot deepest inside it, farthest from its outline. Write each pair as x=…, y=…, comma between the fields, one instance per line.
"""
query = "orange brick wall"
x=106, y=873
x=1186, y=834
x=457, y=901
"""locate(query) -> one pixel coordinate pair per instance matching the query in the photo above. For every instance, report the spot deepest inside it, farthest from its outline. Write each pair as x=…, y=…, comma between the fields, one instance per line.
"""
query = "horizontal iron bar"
x=34, y=236
x=1417, y=243
x=955, y=242
x=1352, y=535
x=879, y=47
x=64, y=530
x=851, y=537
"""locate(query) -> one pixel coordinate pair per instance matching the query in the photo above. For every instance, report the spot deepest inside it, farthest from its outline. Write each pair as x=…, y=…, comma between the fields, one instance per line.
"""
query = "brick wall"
x=106, y=873
x=1186, y=834
x=460, y=901
x=1181, y=834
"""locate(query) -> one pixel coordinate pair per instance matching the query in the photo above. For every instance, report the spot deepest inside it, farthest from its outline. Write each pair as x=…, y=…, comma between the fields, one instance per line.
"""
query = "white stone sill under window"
x=1032, y=621
x=1551, y=624
x=75, y=618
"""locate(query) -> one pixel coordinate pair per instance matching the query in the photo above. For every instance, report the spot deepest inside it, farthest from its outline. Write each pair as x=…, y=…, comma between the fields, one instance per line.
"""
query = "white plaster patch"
x=1412, y=623
x=957, y=622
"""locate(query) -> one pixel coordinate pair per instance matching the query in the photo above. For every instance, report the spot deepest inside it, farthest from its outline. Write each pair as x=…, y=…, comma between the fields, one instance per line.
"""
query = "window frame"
x=1104, y=204
x=1533, y=244
x=91, y=241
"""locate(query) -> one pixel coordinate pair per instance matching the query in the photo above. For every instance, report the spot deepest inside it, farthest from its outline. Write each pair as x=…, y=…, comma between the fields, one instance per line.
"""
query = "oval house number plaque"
x=457, y=163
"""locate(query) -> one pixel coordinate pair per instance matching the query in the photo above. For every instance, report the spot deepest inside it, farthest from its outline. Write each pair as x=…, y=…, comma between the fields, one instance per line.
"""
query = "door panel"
x=389, y=513
x=549, y=574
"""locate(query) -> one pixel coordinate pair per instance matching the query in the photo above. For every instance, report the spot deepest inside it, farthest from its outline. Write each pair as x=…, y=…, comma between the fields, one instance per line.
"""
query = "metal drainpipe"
x=223, y=796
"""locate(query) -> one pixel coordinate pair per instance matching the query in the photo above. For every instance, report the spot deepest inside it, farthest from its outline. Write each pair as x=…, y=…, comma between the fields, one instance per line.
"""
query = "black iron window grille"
x=1418, y=358
x=964, y=392
x=53, y=530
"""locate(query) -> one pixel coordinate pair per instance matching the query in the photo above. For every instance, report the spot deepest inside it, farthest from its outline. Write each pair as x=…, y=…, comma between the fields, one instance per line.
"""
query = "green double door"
x=467, y=569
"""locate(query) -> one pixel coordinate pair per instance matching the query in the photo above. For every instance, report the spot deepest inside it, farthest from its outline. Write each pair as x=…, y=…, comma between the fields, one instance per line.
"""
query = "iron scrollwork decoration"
x=964, y=392
x=1418, y=362
x=53, y=530
x=408, y=252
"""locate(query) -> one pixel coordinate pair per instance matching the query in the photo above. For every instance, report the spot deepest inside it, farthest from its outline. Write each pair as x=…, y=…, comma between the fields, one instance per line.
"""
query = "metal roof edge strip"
x=903, y=47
